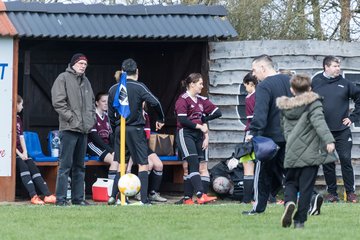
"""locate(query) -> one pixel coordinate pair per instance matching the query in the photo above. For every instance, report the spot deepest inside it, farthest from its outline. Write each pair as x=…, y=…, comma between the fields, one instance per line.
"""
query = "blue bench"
x=176, y=164
x=169, y=158
x=34, y=148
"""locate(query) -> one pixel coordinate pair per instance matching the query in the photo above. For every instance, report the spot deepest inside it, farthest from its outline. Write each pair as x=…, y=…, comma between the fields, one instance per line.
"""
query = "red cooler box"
x=101, y=189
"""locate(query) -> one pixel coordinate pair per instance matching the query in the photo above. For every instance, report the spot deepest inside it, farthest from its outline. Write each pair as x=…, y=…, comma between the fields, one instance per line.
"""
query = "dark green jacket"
x=305, y=130
x=73, y=99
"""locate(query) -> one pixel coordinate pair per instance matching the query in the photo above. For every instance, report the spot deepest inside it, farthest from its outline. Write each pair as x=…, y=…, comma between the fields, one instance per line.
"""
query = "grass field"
x=217, y=221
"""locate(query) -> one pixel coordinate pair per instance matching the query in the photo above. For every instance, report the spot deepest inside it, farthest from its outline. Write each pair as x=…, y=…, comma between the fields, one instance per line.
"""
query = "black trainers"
x=272, y=199
x=351, y=197
x=250, y=213
x=332, y=198
x=315, y=204
x=62, y=204
x=286, y=219
x=82, y=203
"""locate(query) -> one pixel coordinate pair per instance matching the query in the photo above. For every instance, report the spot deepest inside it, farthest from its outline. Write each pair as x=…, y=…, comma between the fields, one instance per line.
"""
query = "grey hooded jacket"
x=305, y=130
x=73, y=99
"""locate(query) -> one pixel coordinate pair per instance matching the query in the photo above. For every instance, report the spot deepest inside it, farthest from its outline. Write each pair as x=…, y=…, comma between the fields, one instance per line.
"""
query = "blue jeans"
x=72, y=154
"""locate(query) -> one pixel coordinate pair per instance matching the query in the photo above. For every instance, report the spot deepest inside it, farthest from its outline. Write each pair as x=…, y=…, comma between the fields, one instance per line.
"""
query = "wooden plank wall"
x=229, y=62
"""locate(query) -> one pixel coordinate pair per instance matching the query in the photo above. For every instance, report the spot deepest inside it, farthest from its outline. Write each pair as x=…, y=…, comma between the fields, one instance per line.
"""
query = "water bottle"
x=55, y=145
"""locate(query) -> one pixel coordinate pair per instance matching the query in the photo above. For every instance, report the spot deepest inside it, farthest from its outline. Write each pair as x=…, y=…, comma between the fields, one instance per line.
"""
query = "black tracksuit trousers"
x=268, y=176
x=343, y=145
x=302, y=181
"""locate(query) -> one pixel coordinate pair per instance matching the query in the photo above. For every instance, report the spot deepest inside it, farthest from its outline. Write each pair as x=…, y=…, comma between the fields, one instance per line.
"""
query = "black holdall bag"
x=265, y=148
x=243, y=149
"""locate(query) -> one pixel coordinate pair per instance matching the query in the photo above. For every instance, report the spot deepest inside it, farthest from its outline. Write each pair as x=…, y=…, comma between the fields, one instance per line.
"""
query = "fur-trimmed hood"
x=293, y=107
x=305, y=131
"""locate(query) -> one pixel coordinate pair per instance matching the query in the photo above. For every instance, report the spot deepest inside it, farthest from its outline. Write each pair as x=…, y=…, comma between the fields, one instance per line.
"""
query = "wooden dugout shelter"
x=167, y=42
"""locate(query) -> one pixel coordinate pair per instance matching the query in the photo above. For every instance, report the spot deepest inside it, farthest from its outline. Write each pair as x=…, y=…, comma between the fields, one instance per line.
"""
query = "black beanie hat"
x=77, y=57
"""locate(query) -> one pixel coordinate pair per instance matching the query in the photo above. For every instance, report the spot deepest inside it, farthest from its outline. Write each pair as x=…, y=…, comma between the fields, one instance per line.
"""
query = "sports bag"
x=162, y=144
x=265, y=148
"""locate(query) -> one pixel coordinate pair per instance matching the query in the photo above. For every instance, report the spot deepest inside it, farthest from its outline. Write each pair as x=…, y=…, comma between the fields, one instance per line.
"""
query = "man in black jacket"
x=336, y=92
x=135, y=136
x=266, y=122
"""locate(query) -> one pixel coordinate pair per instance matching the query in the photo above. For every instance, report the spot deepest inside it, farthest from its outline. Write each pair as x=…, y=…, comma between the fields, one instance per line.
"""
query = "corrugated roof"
x=98, y=21
x=6, y=27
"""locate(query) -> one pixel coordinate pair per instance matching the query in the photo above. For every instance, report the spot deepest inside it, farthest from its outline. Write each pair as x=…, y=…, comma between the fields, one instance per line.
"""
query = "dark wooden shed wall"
x=162, y=65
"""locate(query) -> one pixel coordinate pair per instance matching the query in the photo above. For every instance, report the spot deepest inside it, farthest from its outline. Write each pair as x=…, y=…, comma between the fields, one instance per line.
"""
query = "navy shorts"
x=189, y=142
x=136, y=144
x=94, y=150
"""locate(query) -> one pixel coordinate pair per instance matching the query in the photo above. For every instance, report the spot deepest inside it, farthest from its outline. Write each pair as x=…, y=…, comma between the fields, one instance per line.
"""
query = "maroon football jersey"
x=102, y=127
x=249, y=109
x=19, y=132
x=185, y=106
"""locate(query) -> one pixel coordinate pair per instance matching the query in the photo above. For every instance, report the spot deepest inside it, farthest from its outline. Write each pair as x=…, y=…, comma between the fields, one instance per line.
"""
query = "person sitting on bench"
x=99, y=143
x=30, y=174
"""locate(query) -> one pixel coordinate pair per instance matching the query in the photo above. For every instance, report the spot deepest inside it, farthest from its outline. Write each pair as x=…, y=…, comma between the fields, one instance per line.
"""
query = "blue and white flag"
x=121, y=100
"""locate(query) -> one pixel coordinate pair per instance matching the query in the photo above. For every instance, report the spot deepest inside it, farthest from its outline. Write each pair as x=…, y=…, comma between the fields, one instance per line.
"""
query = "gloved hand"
x=232, y=163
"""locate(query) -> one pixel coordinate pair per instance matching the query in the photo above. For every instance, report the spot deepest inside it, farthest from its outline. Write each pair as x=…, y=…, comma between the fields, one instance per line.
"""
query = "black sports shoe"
x=315, y=204
x=286, y=219
x=82, y=203
x=332, y=198
x=250, y=213
x=62, y=204
x=299, y=225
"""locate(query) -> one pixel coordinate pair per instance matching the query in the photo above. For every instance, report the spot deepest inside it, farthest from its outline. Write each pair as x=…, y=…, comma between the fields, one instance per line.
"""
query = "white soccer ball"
x=129, y=185
x=221, y=185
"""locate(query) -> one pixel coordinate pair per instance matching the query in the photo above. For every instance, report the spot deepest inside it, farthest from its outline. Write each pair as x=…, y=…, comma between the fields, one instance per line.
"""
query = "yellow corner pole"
x=122, y=154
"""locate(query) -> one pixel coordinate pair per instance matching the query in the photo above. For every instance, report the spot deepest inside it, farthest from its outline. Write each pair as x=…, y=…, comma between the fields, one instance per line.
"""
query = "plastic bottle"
x=55, y=145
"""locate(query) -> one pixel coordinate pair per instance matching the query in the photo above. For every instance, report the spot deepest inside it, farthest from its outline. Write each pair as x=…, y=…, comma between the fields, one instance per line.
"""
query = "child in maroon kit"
x=250, y=83
x=29, y=173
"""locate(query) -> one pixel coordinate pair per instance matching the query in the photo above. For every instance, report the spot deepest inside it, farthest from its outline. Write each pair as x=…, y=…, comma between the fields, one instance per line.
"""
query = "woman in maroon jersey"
x=193, y=112
x=99, y=137
x=29, y=172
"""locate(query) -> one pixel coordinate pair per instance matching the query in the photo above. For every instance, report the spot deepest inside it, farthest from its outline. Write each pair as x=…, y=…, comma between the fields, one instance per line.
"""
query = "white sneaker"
x=140, y=203
x=138, y=196
x=315, y=204
x=111, y=201
x=157, y=198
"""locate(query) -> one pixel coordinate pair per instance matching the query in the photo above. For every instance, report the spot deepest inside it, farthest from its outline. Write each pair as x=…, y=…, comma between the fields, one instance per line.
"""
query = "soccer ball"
x=129, y=185
x=221, y=185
